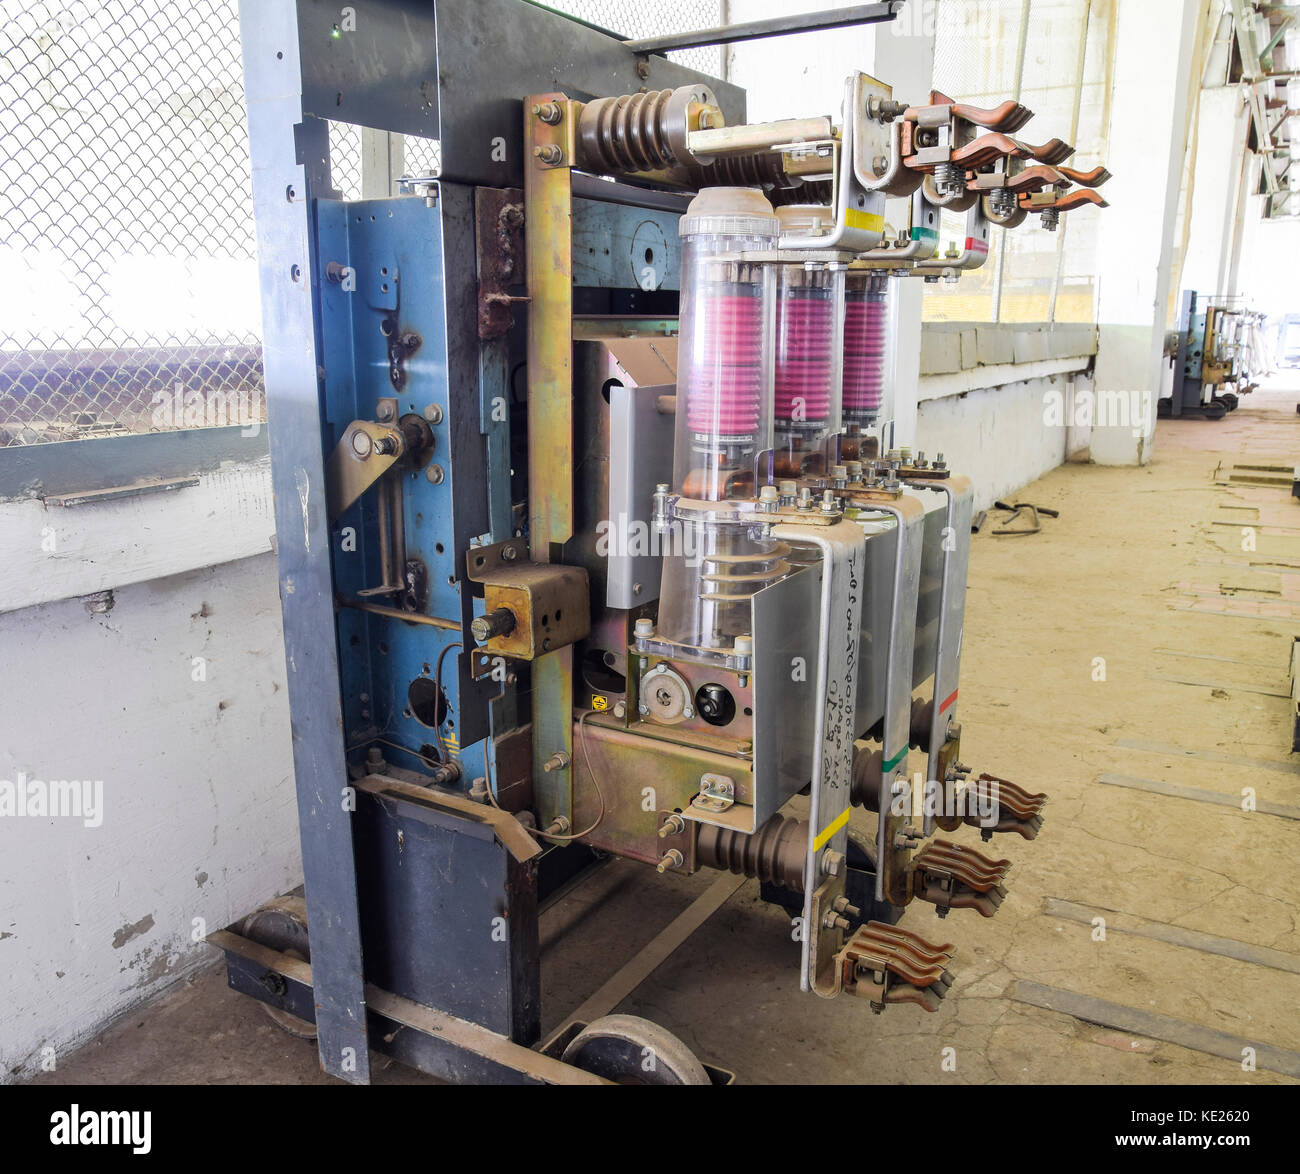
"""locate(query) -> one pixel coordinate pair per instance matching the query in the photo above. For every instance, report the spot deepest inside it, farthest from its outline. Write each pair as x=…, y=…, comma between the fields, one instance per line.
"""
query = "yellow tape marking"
x=827, y=832
x=867, y=221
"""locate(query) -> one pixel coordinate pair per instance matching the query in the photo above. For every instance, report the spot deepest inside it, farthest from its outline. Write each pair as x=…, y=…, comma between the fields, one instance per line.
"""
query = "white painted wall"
x=57, y=552
x=999, y=437
x=198, y=807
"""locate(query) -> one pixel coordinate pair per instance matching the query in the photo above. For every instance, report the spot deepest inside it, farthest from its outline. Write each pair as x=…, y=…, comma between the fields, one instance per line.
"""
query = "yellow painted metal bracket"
x=550, y=122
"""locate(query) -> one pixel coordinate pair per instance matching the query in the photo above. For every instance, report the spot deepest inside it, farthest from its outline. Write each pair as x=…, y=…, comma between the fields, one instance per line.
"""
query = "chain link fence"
x=128, y=272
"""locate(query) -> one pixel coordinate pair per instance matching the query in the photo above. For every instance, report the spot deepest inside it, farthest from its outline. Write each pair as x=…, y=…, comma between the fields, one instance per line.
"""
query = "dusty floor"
x=1144, y=569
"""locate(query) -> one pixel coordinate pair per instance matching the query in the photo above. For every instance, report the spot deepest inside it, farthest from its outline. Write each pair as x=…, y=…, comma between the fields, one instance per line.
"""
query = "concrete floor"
x=1145, y=569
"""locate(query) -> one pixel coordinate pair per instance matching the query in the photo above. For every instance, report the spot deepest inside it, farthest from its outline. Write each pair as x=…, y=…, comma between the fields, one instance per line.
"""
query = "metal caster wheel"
x=630, y=1050
x=282, y=925
x=1215, y=410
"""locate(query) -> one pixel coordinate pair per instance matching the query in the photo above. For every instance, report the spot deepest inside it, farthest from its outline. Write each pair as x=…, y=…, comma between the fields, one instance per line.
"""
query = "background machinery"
x=593, y=538
x=1217, y=355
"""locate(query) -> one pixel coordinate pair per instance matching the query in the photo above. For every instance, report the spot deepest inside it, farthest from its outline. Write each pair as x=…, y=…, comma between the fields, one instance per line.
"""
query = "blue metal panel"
x=394, y=249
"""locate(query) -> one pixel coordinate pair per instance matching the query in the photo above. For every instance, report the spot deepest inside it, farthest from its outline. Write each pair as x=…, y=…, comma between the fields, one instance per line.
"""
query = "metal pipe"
x=776, y=26
x=393, y=613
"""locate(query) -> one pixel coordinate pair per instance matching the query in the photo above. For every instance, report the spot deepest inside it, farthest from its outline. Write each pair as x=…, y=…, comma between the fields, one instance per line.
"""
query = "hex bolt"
x=557, y=761
x=643, y=629
x=835, y=921
x=832, y=863
x=880, y=165
x=671, y=859
x=805, y=499
x=549, y=113
x=843, y=905
x=829, y=503
x=509, y=554
x=557, y=827
x=674, y=825
x=433, y=413
x=435, y=474
x=550, y=154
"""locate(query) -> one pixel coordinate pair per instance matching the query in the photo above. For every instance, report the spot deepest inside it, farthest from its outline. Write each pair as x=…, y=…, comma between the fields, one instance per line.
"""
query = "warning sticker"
x=599, y=702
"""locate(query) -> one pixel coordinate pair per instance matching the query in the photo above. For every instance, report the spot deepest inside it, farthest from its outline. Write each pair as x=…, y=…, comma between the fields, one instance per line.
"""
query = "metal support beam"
x=775, y=26
x=284, y=193
x=548, y=240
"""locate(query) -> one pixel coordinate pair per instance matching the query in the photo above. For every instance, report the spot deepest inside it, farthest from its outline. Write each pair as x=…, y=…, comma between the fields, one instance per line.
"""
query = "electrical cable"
x=595, y=782
x=487, y=763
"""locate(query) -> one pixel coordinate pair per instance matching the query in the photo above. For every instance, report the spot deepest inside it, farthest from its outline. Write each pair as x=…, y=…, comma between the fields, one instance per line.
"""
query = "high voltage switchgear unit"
x=593, y=538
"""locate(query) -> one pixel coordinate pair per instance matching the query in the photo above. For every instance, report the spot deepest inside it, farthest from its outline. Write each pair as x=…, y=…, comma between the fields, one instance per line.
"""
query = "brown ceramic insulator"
x=865, y=788
x=640, y=132
x=775, y=853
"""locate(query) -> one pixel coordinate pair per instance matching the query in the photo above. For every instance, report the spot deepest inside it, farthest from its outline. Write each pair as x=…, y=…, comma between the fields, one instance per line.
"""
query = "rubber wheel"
x=282, y=925
x=630, y=1050
x=1230, y=401
x=1215, y=411
x=1165, y=408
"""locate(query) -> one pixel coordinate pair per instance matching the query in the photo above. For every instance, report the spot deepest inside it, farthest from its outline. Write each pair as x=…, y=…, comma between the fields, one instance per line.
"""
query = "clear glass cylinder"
x=709, y=579
x=865, y=397
x=806, y=376
x=724, y=355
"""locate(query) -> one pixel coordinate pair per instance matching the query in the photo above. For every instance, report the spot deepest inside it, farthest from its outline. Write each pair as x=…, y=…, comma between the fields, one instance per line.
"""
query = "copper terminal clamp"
x=890, y=965
x=952, y=876
x=1014, y=809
